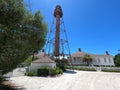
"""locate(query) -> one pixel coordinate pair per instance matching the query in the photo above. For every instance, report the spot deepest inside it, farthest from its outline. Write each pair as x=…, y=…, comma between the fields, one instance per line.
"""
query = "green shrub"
x=43, y=71
x=31, y=73
x=60, y=71
x=55, y=71
x=87, y=69
x=82, y=68
x=49, y=71
x=111, y=70
x=62, y=66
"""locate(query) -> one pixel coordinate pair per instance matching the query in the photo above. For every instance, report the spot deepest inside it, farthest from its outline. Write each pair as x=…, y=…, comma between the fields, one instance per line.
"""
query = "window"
x=74, y=59
x=109, y=60
x=98, y=60
x=105, y=60
x=81, y=58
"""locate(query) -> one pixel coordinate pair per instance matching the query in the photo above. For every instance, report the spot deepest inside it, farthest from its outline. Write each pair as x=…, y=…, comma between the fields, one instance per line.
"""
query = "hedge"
x=43, y=72
x=111, y=70
x=51, y=71
x=82, y=68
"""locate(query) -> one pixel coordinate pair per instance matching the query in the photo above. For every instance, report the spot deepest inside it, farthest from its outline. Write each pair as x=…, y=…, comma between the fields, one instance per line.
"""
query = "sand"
x=71, y=80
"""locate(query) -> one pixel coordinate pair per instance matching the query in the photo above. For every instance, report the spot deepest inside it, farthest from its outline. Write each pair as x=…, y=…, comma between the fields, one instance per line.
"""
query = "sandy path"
x=81, y=80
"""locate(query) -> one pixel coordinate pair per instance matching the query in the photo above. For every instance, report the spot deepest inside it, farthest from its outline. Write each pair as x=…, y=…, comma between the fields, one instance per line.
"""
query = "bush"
x=55, y=71
x=62, y=67
x=43, y=71
x=87, y=69
x=31, y=73
x=111, y=70
x=82, y=68
x=60, y=71
x=51, y=71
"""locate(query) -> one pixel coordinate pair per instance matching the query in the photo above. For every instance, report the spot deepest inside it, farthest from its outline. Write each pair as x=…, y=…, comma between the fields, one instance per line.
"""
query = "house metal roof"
x=44, y=59
x=80, y=54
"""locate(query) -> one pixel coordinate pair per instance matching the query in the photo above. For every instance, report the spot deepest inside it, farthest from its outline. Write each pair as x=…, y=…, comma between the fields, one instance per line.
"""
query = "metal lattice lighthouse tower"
x=57, y=45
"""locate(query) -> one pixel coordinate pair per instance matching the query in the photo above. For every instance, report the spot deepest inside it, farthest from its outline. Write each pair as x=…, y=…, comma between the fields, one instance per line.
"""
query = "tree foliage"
x=29, y=60
x=21, y=33
x=117, y=60
x=87, y=58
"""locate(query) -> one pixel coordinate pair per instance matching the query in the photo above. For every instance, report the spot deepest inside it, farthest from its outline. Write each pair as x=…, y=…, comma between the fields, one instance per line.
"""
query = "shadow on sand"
x=9, y=87
x=70, y=71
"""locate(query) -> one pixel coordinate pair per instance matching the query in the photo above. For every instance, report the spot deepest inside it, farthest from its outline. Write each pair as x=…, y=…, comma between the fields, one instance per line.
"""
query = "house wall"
x=103, y=61
x=78, y=61
x=36, y=66
x=97, y=61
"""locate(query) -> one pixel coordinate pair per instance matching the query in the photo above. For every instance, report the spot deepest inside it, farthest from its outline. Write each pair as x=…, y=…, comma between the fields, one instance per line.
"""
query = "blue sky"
x=92, y=25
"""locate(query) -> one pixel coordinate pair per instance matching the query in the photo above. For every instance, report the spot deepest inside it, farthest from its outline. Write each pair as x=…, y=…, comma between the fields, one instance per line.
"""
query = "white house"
x=44, y=61
x=97, y=59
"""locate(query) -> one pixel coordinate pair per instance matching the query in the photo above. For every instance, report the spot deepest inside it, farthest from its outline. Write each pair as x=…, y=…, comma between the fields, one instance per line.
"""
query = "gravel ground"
x=71, y=80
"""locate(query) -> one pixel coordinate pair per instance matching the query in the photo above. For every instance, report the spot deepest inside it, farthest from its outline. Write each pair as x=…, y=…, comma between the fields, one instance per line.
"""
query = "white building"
x=97, y=59
x=43, y=61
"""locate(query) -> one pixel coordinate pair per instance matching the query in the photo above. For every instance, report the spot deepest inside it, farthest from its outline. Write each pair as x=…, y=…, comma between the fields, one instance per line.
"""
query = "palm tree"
x=87, y=58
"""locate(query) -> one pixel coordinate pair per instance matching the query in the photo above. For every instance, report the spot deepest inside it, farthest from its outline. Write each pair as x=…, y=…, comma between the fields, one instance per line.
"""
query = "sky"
x=92, y=25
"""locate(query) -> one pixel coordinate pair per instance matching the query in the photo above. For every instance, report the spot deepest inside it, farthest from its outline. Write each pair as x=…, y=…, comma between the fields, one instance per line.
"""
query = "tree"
x=21, y=33
x=29, y=60
x=117, y=60
x=87, y=58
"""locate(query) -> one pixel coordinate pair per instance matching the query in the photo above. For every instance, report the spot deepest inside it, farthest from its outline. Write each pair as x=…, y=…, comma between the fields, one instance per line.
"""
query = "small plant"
x=31, y=73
